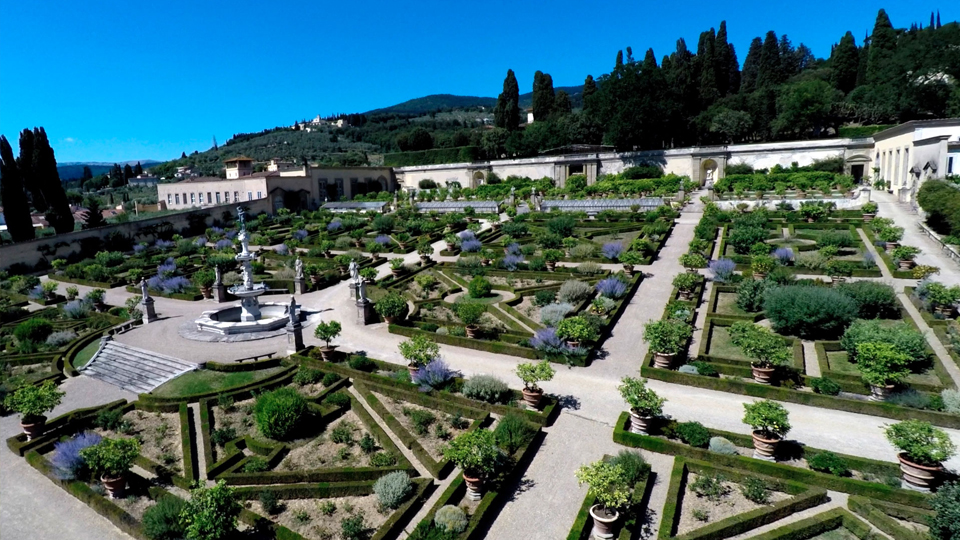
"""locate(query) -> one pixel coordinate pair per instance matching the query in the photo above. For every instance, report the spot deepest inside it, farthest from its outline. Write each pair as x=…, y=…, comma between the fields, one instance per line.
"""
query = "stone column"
x=219, y=293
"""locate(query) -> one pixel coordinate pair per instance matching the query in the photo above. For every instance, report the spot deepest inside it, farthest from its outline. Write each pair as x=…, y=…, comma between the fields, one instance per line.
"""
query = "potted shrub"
x=666, y=338
x=923, y=448
x=425, y=249
x=313, y=271
x=204, y=280
x=685, y=284
x=812, y=211
x=882, y=366
x=904, y=256
x=343, y=264
x=325, y=247
x=487, y=255
x=391, y=307
x=943, y=298
x=111, y=459
x=608, y=484
x=396, y=266
x=838, y=270
x=73, y=292
x=451, y=240
x=375, y=248
x=552, y=256
x=869, y=211
x=766, y=348
x=369, y=274
x=403, y=239
x=49, y=290
x=470, y=314
x=419, y=351
x=576, y=330
x=629, y=259
x=478, y=456
x=891, y=236
x=761, y=265
x=357, y=237
x=327, y=331
x=645, y=404
x=96, y=297
x=531, y=374
x=770, y=423
x=693, y=261
x=920, y=272
x=32, y=401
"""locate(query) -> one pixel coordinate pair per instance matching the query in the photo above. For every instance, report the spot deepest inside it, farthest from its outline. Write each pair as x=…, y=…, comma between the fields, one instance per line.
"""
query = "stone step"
x=126, y=384
x=155, y=357
x=139, y=364
x=134, y=369
x=131, y=370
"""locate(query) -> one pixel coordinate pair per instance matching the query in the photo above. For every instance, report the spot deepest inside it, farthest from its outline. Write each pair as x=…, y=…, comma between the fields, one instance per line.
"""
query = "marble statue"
x=354, y=271
x=299, y=268
x=143, y=289
x=219, y=276
x=292, y=311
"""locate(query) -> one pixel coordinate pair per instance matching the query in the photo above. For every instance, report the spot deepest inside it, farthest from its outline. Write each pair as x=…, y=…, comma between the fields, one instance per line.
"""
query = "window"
x=184, y=198
x=218, y=197
x=249, y=195
x=259, y=194
x=177, y=198
x=169, y=198
x=209, y=198
x=193, y=198
x=201, y=197
x=226, y=196
x=950, y=165
x=236, y=196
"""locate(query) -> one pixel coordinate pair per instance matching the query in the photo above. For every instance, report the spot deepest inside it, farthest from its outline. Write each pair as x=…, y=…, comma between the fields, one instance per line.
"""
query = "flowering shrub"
x=383, y=240
x=334, y=225
x=77, y=309
x=164, y=244
x=547, y=340
x=722, y=269
x=201, y=241
x=471, y=246
x=175, y=284
x=434, y=375
x=554, y=313
x=510, y=262
x=60, y=338
x=783, y=255
x=611, y=288
x=36, y=293
x=167, y=269
x=466, y=235
x=513, y=249
x=139, y=248
x=223, y=244
x=299, y=234
x=231, y=234
x=67, y=461
x=612, y=250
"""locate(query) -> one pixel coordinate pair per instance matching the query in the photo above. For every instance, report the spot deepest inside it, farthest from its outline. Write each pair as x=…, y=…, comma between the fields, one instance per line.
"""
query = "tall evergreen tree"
x=751, y=66
x=138, y=169
x=507, y=112
x=127, y=171
x=589, y=94
x=863, y=58
x=733, y=70
x=723, y=53
x=789, y=63
x=26, y=164
x=770, y=71
x=938, y=19
x=16, y=208
x=45, y=173
x=94, y=214
x=562, y=104
x=707, y=64
x=87, y=173
x=844, y=63
x=543, y=96
x=881, y=66
x=683, y=85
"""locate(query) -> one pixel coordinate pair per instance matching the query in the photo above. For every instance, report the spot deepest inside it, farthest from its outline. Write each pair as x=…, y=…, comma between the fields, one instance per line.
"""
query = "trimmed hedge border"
x=813, y=526
x=879, y=514
x=188, y=434
x=240, y=392
x=243, y=366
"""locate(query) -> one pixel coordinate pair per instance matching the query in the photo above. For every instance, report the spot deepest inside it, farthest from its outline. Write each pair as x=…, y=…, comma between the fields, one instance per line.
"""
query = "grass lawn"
x=840, y=533
x=727, y=304
x=494, y=298
x=840, y=363
x=720, y=345
x=85, y=354
x=203, y=380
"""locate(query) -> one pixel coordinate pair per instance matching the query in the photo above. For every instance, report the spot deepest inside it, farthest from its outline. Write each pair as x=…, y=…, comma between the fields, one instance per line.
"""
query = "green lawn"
x=840, y=533
x=493, y=298
x=727, y=304
x=720, y=345
x=85, y=354
x=204, y=381
x=839, y=363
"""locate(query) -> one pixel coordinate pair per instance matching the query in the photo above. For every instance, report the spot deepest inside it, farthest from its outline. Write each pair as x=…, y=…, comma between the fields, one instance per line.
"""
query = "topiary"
x=823, y=385
x=279, y=412
x=162, y=520
x=693, y=433
x=722, y=446
x=486, y=388
x=451, y=519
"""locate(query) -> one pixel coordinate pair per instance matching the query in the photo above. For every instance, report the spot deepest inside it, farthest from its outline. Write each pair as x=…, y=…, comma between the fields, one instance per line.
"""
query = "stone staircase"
x=133, y=369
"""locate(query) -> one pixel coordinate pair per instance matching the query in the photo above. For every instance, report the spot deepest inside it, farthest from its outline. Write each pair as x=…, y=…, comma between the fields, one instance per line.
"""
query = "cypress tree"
x=864, y=56
x=589, y=91
x=562, y=104
x=938, y=19
x=16, y=209
x=619, y=62
x=733, y=70
x=127, y=172
x=789, y=63
x=26, y=164
x=844, y=63
x=770, y=70
x=507, y=112
x=751, y=66
x=87, y=173
x=707, y=63
x=45, y=173
x=138, y=170
x=543, y=96
x=722, y=51
x=881, y=67
x=94, y=215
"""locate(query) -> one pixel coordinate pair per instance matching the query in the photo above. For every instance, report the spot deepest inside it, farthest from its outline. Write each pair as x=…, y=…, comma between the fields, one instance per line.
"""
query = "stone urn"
x=918, y=477
x=628, y=269
x=532, y=397
x=604, y=521
x=906, y=264
x=207, y=292
x=890, y=246
x=551, y=266
x=764, y=448
x=474, y=486
x=396, y=271
x=880, y=393
x=34, y=429
x=867, y=218
x=663, y=361
x=328, y=353
x=762, y=374
x=640, y=424
x=115, y=486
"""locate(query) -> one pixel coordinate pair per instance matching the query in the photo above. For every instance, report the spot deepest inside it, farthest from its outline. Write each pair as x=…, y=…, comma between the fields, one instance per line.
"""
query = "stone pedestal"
x=219, y=293
x=294, y=338
x=365, y=312
x=300, y=286
x=149, y=312
x=250, y=309
x=352, y=289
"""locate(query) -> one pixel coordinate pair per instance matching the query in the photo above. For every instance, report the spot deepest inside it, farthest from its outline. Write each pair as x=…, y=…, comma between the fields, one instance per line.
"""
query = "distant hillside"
x=74, y=169
x=436, y=102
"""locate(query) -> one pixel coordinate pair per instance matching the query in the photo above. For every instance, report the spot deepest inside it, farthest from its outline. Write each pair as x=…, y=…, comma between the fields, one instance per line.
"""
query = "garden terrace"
x=373, y=206
x=481, y=207
x=885, y=256
x=786, y=184
x=595, y=206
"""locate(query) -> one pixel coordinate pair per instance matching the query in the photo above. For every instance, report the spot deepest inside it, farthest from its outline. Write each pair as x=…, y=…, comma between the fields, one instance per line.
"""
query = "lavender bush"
x=869, y=262
x=282, y=249
x=383, y=240
x=471, y=246
x=60, y=338
x=510, y=262
x=67, y=461
x=722, y=269
x=434, y=375
x=77, y=309
x=201, y=241
x=36, y=293
x=167, y=269
x=466, y=236
x=612, y=250
x=784, y=255
x=216, y=230
x=164, y=244
x=514, y=249
x=334, y=225
x=139, y=248
x=299, y=234
x=223, y=244
x=547, y=341
x=611, y=288
x=552, y=314
x=231, y=234
x=175, y=284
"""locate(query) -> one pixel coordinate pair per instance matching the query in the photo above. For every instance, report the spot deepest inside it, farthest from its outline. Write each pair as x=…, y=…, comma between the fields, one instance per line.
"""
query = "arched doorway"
x=478, y=178
x=709, y=171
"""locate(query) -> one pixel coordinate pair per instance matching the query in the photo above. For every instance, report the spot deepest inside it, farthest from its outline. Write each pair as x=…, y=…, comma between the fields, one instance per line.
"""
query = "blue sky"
x=121, y=80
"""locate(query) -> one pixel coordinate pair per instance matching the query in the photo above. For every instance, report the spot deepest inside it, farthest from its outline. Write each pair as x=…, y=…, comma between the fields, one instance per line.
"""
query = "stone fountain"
x=248, y=291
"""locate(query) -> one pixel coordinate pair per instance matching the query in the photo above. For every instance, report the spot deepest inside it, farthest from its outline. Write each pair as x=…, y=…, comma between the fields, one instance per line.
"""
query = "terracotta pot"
x=759, y=276
x=413, y=369
x=115, y=486
x=628, y=269
x=663, y=361
x=573, y=344
x=472, y=330
x=485, y=262
x=762, y=375
x=314, y=280
x=946, y=311
x=686, y=295
x=34, y=429
x=396, y=271
x=207, y=292
x=451, y=247
x=810, y=220
x=327, y=254
x=532, y=397
x=389, y=320
x=906, y=264
x=604, y=521
x=880, y=393
x=343, y=270
x=375, y=256
x=763, y=448
x=867, y=218
x=892, y=245
x=640, y=424
x=474, y=486
x=424, y=258
x=328, y=353
x=919, y=477
x=551, y=266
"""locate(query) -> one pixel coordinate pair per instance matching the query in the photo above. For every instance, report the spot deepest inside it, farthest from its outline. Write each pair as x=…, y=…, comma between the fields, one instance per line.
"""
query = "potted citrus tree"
x=391, y=307
x=904, y=256
x=629, y=259
x=425, y=249
x=942, y=298
x=693, y=261
x=396, y=266
x=204, y=280
x=685, y=284
x=761, y=265
x=770, y=424
x=419, y=351
x=608, y=484
x=576, y=331
x=531, y=374
x=923, y=448
x=552, y=256
x=645, y=404
x=477, y=455
x=891, y=236
x=343, y=262
x=839, y=270
x=766, y=348
x=327, y=331
x=111, y=459
x=882, y=366
x=470, y=314
x=32, y=401
x=666, y=338
x=869, y=211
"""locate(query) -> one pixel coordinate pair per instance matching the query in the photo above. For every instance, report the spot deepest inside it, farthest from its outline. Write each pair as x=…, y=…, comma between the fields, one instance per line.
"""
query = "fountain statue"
x=247, y=291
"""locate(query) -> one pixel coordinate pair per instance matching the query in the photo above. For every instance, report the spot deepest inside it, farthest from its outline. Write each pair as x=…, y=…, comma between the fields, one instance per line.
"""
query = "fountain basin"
x=229, y=321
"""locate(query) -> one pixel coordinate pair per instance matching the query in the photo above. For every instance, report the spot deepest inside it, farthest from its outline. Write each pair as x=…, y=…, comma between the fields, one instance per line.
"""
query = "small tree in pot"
x=391, y=307
x=111, y=459
x=882, y=366
x=923, y=448
x=425, y=249
x=325, y=247
x=576, y=331
x=96, y=297
x=419, y=351
x=770, y=423
x=629, y=259
x=343, y=263
x=313, y=271
x=451, y=240
x=685, y=284
x=904, y=256
x=839, y=270
x=891, y=236
x=374, y=248
x=470, y=314
x=204, y=280
x=32, y=401
x=693, y=261
x=761, y=265
x=369, y=274
x=531, y=374
x=666, y=338
x=645, y=404
x=478, y=456
x=766, y=348
x=327, y=331
x=942, y=298
x=869, y=211
x=608, y=483
x=552, y=256
x=396, y=266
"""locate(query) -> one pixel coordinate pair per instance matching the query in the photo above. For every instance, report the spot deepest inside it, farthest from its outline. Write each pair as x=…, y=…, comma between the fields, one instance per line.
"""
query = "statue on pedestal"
x=299, y=268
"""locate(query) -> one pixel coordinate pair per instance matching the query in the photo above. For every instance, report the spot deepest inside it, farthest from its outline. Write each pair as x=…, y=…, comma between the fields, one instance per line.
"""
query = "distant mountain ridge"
x=435, y=102
x=74, y=169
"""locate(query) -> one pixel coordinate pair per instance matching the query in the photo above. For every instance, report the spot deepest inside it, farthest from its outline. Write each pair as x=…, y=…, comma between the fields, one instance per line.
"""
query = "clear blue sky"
x=124, y=80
